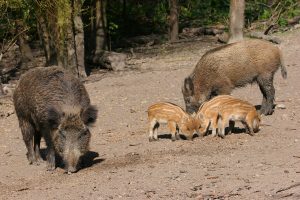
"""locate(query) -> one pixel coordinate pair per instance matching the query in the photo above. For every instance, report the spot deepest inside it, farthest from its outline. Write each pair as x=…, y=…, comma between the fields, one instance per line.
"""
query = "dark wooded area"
x=84, y=34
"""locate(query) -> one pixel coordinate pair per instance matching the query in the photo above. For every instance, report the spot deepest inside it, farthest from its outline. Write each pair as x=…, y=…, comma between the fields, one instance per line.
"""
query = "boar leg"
x=231, y=126
x=222, y=126
x=248, y=125
x=172, y=128
x=156, y=126
x=50, y=151
x=267, y=89
x=177, y=134
x=50, y=158
x=28, y=133
x=37, y=141
x=153, y=126
x=214, y=126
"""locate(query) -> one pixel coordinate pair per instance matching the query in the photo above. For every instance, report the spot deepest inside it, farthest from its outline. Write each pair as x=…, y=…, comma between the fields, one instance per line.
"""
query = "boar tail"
x=283, y=69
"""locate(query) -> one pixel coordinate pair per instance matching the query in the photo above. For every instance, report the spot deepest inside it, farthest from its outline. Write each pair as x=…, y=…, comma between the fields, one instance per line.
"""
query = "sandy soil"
x=122, y=163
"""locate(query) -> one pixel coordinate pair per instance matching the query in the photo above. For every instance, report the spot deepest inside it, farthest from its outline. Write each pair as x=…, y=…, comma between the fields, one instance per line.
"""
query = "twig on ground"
x=296, y=156
x=287, y=188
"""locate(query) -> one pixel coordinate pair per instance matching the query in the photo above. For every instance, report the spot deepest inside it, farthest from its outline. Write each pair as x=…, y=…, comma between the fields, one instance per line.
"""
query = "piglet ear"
x=54, y=117
x=89, y=115
x=201, y=116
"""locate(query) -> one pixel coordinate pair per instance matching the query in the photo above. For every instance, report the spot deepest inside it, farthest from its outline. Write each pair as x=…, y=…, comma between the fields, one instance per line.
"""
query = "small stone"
x=280, y=106
x=284, y=117
x=196, y=188
x=297, y=26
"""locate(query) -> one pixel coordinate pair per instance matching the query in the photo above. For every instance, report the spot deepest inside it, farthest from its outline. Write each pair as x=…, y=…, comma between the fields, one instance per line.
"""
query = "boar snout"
x=190, y=137
x=72, y=160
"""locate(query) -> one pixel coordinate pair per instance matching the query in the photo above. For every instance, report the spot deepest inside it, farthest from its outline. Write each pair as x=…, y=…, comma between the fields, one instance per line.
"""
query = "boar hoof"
x=151, y=139
x=266, y=111
x=50, y=167
x=71, y=171
x=251, y=133
x=37, y=162
x=222, y=136
x=31, y=158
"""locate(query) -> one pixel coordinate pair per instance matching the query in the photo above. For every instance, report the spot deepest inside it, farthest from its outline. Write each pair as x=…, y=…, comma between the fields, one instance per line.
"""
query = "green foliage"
x=199, y=13
x=136, y=18
x=127, y=18
x=13, y=10
x=278, y=10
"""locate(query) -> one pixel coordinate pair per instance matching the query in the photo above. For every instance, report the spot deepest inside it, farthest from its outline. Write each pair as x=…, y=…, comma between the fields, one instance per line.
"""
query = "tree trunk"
x=79, y=38
x=1, y=90
x=100, y=36
x=57, y=35
x=71, y=63
x=25, y=50
x=173, y=20
x=237, y=8
x=47, y=44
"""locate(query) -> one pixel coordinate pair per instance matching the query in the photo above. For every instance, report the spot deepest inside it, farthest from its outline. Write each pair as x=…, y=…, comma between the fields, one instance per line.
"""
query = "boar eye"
x=83, y=134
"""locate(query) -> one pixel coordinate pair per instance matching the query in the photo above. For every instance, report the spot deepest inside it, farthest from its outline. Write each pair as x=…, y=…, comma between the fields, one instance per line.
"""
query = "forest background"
x=82, y=35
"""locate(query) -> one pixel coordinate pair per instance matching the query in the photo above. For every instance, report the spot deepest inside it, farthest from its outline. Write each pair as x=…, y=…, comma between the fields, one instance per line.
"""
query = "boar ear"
x=89, y=115
x=188, y=86
x=53, y=117
x=201, y=116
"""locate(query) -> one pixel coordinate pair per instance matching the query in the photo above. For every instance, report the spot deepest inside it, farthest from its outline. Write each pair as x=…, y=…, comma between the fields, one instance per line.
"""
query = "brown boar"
x=175, y=117
x=52, y=103
x=222, y=69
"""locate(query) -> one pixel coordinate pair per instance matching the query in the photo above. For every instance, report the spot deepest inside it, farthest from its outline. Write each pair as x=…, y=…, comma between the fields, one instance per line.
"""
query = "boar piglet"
x=224, y=109
x=222, y=69
x=244, y=113
x=52, y=103
x=175, y=117
x=208, y=114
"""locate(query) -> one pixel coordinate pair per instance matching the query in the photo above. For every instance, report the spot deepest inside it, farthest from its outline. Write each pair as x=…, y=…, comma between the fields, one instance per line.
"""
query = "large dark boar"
x=51, y=103
x=222, y=69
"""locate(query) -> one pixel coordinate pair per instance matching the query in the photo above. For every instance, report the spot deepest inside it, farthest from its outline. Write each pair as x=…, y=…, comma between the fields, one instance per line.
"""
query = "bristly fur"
x=52, y=103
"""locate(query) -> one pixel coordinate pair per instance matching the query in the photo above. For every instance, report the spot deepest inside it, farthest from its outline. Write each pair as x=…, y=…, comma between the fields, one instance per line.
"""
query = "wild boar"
x=175, y=117
x=222, y=69
x=224, y=109
x=52, y=103
x=208, y=113
x=242, y=112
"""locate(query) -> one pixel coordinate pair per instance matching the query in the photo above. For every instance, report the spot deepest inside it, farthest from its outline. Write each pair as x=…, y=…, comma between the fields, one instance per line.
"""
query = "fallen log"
x=110, y=60
x=260, y=35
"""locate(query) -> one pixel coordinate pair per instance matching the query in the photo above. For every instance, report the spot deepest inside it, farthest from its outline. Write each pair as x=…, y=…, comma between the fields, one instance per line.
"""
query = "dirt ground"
x=123, y=164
